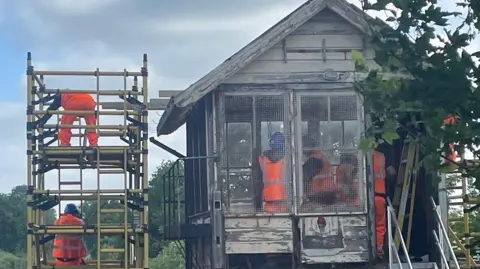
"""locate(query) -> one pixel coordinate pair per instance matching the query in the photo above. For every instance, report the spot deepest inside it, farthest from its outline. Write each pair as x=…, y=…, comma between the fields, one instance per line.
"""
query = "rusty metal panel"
x=331, y=168
x=258, y=235
x=250, y=120
x=339, y=239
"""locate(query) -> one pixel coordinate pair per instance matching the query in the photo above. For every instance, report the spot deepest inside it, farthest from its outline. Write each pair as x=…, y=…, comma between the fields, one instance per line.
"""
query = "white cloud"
x=77, y=8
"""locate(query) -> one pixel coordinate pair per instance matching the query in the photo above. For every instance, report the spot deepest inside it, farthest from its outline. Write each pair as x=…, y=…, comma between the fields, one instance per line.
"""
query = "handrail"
x=445, y=236
x=391, y=245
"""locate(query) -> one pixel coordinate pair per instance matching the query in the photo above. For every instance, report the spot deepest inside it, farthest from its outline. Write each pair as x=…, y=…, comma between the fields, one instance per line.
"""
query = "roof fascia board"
x=350, y=13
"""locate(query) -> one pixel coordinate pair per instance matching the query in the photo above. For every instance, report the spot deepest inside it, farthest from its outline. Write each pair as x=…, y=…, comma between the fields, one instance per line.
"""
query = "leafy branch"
x=433, y=77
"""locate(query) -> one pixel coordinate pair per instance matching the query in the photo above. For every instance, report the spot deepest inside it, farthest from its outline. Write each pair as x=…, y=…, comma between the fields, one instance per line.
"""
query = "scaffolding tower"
x=460, y=196
x=128, y=161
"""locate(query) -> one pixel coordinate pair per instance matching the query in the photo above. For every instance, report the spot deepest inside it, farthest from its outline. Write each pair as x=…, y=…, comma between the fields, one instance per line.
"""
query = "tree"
x=435, y=77
x=13, y=219
x=11, y=261
x=169, y=174
x=170, y=258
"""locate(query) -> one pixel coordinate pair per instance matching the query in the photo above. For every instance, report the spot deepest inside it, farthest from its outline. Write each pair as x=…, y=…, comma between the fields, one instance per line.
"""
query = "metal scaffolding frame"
x=468, y=205
x=129, y=160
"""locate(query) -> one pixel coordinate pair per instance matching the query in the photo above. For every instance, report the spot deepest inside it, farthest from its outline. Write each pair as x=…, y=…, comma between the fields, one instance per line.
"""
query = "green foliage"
x=13, y=219
x=11, y=261
x=168, y=175
x=432, y=80
x=456, y=212
x=171, y=257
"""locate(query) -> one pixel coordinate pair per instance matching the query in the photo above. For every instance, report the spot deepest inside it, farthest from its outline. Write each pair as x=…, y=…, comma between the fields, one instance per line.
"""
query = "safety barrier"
x=442, y=239
x=392, y=223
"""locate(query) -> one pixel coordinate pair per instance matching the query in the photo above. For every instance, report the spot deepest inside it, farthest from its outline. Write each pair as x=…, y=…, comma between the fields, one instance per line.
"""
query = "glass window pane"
x=314, y=108
x=239, y=139
x=238, y=108
x=351, y=133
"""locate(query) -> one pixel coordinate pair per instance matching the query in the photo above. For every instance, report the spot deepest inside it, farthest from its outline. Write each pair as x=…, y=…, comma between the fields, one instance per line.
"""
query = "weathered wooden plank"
x=272, y=67
x=258, y=247
x=351, y=13
x=274, y=88
x=327, y=15
x=276, y=54
x=314, y=256
x=317, y=77
x=352, y=41
x=285, y=78
x=342, y=239
x=257, y=222
x=326, y=28
x=258, y=235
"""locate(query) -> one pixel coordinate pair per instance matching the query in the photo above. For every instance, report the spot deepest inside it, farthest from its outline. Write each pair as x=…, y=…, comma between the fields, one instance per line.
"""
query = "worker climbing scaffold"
x=128, y=162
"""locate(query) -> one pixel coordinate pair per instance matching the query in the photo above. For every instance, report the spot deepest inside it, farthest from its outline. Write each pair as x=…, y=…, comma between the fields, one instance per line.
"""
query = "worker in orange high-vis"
x=321, y=187
x=272, y=165
x=450, y=120
x=69, y=249
x=380, y=170
x=74, y=101
x=347, y=178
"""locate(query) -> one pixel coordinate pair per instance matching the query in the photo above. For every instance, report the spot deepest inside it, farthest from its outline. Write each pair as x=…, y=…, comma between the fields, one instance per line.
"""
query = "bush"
x=171, y=257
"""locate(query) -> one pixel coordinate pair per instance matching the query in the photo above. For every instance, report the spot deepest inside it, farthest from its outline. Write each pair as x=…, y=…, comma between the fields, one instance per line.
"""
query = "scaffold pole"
x=131, y=161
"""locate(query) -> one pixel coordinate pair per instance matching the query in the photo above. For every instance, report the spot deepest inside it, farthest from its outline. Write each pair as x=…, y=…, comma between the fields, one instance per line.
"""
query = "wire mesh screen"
x=255, y=168
x=330, y=165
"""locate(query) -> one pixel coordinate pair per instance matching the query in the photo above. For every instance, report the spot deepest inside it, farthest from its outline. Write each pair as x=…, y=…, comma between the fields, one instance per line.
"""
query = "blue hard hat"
x=70, y=209
x=277, y=140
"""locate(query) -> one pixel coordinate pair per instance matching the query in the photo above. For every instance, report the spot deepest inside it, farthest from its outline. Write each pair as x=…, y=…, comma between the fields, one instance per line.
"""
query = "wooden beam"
x=167, y=94
x=154, y=104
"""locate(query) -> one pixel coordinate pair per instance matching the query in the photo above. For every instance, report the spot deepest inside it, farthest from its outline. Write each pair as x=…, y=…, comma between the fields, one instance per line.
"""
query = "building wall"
x=324, y=42
x=322, y=46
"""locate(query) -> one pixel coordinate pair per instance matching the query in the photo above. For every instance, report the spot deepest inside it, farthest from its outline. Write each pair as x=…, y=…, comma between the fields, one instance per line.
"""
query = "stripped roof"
x=179, y=106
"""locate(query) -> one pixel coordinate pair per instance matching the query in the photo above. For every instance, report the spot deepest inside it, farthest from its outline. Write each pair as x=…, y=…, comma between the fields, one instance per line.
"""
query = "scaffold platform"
x=127, y=160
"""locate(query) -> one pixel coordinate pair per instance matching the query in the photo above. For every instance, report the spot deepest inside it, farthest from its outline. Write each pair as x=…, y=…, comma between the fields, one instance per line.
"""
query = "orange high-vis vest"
x=323, y=179
x=451, y=120
x=379, y=173
x=340, y=180
x=273, y=182
x=69, y=246
x=76, y=97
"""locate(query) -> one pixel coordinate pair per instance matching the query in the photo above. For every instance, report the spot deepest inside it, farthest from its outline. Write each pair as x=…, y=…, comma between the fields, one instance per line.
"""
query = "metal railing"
x=392, y=249
x=443, y=238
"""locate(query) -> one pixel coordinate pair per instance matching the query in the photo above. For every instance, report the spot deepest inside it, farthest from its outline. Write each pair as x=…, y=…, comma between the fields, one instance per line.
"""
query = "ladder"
x=405, y=189
x=129, y=159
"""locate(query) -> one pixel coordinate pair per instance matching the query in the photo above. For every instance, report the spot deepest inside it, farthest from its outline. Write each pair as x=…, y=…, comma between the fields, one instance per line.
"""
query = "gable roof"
x=179, y=106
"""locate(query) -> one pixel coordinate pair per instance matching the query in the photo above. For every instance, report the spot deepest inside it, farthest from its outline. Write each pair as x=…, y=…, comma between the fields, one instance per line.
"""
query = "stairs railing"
x=392, y=228
x=443, y=239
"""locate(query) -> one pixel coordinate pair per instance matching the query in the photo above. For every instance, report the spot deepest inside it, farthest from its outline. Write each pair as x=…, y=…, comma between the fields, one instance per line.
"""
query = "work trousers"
x=65, y=134
x=380, y=220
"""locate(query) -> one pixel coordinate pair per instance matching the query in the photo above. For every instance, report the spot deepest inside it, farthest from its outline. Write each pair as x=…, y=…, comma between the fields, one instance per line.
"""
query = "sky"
x=183, y=39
